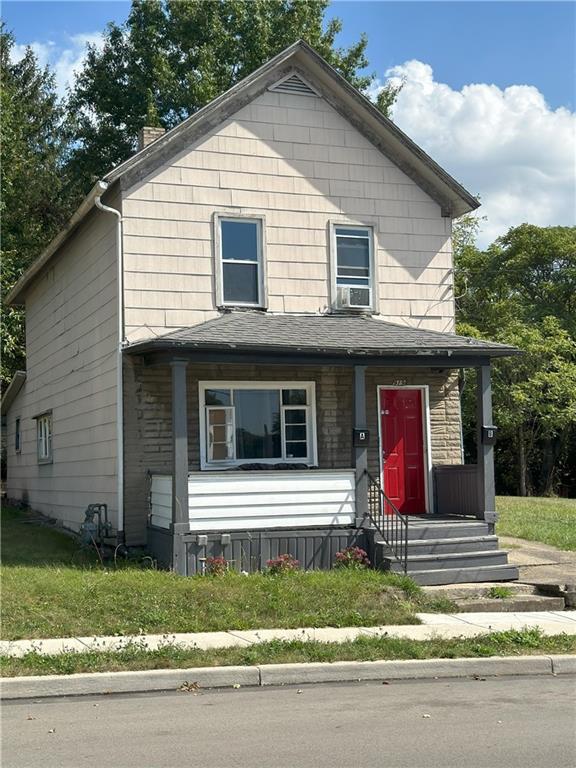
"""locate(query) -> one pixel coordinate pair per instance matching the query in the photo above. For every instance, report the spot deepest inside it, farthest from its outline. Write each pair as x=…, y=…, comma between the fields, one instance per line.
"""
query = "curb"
x=45, y=686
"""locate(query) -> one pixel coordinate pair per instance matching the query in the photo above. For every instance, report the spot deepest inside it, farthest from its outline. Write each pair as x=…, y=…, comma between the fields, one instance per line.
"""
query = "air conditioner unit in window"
x=353, y=297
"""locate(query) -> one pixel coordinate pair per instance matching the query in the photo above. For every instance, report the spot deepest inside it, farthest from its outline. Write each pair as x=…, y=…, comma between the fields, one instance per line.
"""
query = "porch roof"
x=337, y=336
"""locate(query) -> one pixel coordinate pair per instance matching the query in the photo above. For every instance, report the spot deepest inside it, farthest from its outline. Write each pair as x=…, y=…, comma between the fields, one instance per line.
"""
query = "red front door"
x=403, y=449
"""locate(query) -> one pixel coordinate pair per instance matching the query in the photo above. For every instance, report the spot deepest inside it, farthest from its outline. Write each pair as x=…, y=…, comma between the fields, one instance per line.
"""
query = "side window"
x=241, y=262
x=17, y=436
x=44, y=438
x=353, y=267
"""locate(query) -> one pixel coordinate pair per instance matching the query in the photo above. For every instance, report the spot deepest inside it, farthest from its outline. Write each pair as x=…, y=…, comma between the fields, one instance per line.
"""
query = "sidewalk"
x=540, y=563
x=434, y=625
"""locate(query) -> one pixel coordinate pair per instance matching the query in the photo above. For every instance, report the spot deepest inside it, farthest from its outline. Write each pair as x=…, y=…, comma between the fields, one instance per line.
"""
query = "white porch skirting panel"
x=228, y=501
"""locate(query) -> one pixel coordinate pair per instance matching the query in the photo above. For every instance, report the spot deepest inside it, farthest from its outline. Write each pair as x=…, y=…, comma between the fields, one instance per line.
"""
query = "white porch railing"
x=228, y=501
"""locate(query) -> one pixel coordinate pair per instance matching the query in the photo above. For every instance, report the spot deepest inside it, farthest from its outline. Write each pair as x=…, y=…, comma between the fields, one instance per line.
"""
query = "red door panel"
x=403, y=449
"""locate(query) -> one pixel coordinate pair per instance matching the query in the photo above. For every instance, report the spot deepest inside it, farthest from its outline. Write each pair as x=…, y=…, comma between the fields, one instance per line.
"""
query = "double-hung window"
x=44, y=437
x=249, y=422
x=241, y=261
x=353, y=267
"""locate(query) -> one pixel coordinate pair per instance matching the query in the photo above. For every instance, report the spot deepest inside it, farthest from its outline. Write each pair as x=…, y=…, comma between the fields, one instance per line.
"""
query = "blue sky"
x=506, y=43
x=490, y=87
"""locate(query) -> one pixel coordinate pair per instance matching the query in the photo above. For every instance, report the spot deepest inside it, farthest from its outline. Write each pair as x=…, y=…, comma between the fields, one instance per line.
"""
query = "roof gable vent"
x=293, y=84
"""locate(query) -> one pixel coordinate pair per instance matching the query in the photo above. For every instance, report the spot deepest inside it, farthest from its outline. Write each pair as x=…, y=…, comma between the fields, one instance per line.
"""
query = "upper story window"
x=241, y=261
x=353, y=267
x=268, y=423
x=44, y=437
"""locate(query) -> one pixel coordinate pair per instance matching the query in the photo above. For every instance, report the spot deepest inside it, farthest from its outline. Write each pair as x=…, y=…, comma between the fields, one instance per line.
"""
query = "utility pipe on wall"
x=103, y=186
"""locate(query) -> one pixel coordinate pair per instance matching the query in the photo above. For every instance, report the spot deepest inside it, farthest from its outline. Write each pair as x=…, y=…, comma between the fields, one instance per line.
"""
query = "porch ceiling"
x=355, y=338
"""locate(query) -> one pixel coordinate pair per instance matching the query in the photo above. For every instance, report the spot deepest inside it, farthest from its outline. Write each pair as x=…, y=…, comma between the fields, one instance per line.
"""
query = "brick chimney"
x=147, y=135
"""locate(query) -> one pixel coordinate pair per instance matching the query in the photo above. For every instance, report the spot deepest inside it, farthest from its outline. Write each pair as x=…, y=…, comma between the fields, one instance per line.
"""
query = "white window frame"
x=44, y=437
x=18, y=434
x=310, y=460
x=369, y=230
x=260, y=221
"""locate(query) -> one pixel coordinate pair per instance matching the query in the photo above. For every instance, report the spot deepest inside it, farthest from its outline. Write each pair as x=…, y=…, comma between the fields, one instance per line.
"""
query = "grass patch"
x=136, y=657
x=46, y=592
x=551, y=521
x=499, y=593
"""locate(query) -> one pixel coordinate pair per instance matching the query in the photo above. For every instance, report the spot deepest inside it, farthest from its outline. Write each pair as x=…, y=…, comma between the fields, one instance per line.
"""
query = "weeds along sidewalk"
x=434, y=626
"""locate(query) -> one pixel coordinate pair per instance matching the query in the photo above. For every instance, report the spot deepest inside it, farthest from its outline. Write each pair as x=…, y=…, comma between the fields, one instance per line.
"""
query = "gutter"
x=101, y=187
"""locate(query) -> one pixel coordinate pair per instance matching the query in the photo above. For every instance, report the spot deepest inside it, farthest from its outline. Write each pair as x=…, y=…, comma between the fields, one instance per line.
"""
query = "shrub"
x=216, y=566
x=352, y=557
x=282, y=564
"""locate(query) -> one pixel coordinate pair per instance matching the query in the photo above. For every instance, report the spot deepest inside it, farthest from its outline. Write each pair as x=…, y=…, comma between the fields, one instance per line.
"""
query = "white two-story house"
x=243, y=343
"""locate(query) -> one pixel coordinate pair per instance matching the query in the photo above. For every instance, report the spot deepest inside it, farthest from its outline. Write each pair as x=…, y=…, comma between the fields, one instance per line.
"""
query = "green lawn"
x=48, y=590
x=551, y=521
x=510, y=643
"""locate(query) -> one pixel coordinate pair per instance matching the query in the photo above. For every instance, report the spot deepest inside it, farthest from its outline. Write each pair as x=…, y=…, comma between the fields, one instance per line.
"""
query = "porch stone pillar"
x=485, y=452
x=180, y=518
x=360, y=453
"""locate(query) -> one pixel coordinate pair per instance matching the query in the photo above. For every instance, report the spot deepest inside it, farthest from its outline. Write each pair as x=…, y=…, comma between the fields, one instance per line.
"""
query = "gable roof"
x=338, y=335
x=301, y=59
x=298, y=59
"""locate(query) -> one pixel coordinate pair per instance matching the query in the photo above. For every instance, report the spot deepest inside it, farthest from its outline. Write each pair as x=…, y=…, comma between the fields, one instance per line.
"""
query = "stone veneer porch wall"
x=148, y=430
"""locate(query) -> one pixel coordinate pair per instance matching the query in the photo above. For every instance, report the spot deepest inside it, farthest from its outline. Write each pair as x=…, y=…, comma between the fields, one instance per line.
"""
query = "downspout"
x=103, y=186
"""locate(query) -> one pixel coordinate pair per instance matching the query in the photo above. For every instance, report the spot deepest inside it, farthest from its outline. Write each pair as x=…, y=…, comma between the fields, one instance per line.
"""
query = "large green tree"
x=34, y=198
x=522, y=291
x=171, y=57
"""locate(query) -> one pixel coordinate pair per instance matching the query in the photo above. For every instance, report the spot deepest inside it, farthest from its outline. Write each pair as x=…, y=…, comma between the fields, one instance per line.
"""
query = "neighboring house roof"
x=12, y=390
x=328, y=83
x=339, y=335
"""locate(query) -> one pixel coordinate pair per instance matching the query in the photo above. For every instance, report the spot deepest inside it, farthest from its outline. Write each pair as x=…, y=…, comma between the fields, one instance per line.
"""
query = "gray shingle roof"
x=341, y=335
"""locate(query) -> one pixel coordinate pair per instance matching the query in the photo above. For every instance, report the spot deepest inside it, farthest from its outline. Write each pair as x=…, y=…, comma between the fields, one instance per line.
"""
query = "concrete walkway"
x=540, y=563
x=434, y=625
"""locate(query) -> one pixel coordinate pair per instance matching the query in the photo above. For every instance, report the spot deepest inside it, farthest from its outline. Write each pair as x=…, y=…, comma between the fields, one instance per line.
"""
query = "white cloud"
x=506, y=145
x=64, y=60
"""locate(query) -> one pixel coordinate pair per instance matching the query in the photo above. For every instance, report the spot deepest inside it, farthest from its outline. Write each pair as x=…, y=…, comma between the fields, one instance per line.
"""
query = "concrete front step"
x=512, y=604
x=452, y=560
x=463, y=575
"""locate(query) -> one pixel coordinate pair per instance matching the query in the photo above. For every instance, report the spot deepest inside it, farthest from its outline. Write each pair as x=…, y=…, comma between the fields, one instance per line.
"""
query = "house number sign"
x=361, y=437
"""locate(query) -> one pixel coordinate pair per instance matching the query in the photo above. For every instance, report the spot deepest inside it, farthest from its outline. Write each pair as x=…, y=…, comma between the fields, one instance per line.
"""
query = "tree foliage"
x=172, y=57
x=522, y=291
x=34, y=200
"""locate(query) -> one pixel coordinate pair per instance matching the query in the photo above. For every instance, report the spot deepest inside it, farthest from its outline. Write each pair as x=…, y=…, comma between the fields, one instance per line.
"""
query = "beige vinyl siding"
x=71, y=342
x=297, y=161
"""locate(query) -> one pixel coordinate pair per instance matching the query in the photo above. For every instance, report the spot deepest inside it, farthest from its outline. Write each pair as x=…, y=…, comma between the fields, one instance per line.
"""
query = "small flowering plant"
x=282, y=564
x=352, y=557
x=216, y=566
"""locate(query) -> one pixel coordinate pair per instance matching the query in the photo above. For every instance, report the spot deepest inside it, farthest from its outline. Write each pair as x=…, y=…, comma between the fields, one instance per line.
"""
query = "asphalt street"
x=492, y=723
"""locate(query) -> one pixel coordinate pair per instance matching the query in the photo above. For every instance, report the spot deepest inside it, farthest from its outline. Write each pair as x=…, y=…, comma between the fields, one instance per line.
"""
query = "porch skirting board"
x=249, y=551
